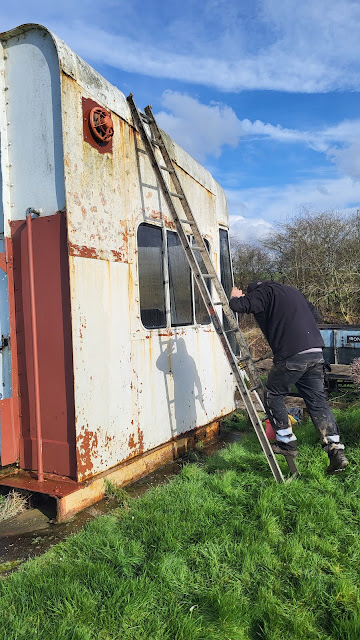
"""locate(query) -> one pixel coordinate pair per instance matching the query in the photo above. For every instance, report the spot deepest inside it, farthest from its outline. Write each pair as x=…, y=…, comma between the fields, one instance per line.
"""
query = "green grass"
x=219, y=553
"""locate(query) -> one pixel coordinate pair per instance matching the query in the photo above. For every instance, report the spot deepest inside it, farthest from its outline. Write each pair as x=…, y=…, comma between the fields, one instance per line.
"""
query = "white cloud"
x=254, y=207
x=279, y=68
x=249, y=229
x=204, y=129
x=201, y=129
x=347, y=160
x=308, y=46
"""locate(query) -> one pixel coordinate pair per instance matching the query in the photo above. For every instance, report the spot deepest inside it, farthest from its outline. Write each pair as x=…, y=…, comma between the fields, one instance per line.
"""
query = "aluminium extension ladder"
x=243, y=368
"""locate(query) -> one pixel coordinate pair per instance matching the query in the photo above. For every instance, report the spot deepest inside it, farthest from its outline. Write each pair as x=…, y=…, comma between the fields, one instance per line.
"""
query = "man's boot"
x=338, y=461
x=284, y=450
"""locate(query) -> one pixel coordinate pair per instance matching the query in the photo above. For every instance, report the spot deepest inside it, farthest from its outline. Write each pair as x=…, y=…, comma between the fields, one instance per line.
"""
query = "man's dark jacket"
x=286, y=318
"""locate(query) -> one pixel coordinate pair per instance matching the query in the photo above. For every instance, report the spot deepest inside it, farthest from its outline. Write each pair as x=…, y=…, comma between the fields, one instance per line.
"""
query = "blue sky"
x=264, y=93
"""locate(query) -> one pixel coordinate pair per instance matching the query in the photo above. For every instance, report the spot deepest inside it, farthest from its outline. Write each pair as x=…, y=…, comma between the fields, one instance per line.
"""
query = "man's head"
x=253, y=285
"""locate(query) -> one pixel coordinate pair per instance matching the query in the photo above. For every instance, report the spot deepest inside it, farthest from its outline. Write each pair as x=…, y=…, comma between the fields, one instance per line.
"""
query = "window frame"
x=166, y=280
x=231, y=338
x=164, y=277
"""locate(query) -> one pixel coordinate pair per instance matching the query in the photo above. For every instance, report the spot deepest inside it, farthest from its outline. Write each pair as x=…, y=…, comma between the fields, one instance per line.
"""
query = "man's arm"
x=252, y=303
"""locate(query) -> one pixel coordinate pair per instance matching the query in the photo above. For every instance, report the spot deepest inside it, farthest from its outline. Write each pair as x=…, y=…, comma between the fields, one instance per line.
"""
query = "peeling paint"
x=87, y=446
x=136, y=442
x=83, y=252
x=158, y=215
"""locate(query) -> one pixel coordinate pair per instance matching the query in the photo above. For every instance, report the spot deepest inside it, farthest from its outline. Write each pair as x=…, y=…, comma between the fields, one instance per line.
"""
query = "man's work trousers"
x=306, y=372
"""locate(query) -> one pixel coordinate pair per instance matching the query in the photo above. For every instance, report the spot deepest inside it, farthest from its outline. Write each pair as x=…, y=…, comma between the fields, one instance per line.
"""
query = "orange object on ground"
x=270, y=433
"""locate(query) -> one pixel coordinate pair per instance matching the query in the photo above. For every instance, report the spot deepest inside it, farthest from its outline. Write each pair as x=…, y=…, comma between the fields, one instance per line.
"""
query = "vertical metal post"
x=336, y=347
x=39, y=448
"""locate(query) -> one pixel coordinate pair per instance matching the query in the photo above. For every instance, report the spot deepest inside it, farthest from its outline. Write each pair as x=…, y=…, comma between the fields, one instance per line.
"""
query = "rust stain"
x=83, y=211
x=3, y=262
x=82, y=251
x=109, y=440
x=103, y=200
x=136, y=442
x=67, y=161
x=158, y=215
x=149, y=194
x=76, y=198
x=86, y=447
x=93, y=209
x=119, y=256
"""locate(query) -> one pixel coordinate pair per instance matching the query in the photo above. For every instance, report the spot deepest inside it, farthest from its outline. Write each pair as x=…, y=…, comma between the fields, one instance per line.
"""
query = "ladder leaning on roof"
x=243, y=368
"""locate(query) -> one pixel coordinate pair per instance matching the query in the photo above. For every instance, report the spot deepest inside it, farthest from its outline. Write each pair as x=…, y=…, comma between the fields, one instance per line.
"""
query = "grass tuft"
x=219, y=553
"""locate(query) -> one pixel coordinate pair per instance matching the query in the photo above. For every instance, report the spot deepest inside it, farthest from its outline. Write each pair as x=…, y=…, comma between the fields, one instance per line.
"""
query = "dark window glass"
x=179, y=282
x=226, y=279
x=201, y=313
x=151, y=277
x=225, y=262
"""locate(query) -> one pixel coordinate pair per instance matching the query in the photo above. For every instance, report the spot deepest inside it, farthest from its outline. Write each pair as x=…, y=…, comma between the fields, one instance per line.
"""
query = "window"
x=151, y=276
x=181, y=304
x=156, y=261
x=225, y=262
x=226, y=279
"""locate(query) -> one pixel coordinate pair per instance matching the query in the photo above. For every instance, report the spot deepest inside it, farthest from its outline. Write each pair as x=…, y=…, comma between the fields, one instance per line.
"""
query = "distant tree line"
x=319, y=253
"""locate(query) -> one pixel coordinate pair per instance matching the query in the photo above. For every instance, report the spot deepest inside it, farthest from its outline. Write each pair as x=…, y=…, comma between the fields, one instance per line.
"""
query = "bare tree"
x=251, y=262
x=319, y=254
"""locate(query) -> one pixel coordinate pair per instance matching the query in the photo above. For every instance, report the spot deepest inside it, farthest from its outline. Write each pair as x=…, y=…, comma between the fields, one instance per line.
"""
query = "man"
x=289, y=323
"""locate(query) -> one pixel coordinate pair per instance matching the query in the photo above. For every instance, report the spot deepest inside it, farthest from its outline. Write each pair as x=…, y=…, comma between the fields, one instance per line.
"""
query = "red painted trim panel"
x=52, y=295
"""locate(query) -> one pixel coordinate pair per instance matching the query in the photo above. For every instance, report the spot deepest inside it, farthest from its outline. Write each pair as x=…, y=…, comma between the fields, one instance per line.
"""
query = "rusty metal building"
x=110, y=366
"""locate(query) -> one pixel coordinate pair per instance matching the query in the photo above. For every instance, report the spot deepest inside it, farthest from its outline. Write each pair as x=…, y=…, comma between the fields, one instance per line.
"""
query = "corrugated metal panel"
x=342, y=345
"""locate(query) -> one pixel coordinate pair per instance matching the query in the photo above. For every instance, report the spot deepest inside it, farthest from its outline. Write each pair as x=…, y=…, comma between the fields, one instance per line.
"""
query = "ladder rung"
x=155, y=143
x=217, y=303
x=162, y=166
x=146, y=118
x=177, y=195
x=244, y=359
x=187, y=221
x=258, y=386
x=209, y=275
x=231, y=330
